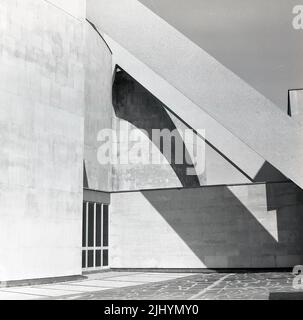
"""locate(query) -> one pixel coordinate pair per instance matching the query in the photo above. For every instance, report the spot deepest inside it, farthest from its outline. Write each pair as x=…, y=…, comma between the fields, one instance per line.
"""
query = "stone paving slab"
x=38, y=291
x=167, y=275
x=108, y=283
x=18, y=296
x=109, y=274
x=144, y=278
x=72, y=288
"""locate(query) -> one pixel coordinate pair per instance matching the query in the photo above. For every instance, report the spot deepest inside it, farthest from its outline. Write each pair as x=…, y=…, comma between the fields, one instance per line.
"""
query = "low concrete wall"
x=245, y=226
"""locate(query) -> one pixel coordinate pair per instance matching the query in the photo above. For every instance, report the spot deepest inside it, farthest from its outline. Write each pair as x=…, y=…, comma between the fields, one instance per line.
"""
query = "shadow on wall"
x=232, y=227
x=134, y=104
x=269, y=173
x=85, y=177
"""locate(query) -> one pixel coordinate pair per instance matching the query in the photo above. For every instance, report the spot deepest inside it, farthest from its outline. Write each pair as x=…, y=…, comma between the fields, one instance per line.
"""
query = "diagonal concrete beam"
x=239, y=108
x=244, y=158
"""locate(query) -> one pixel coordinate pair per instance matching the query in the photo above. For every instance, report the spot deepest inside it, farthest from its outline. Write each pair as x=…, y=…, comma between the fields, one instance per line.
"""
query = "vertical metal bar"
x=86, y=253
x=108, y=234
x=102, y=236
x=95, y=227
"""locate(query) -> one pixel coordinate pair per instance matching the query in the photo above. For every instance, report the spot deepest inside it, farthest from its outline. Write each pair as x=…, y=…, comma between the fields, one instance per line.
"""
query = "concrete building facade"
x=72, y=69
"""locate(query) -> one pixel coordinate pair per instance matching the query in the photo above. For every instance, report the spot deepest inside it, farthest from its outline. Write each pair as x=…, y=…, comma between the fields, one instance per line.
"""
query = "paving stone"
x=241, y=286
x=204, y=286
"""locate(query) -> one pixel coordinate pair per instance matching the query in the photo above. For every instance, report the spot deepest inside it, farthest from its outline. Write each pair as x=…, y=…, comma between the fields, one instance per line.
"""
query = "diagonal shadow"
x=269, y=173
x=85, y=177
x=222, y=232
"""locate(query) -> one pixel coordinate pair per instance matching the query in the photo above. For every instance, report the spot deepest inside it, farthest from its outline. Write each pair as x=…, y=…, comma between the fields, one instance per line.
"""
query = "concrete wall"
x=98, y=109
x=42, y=136
x=245, y=226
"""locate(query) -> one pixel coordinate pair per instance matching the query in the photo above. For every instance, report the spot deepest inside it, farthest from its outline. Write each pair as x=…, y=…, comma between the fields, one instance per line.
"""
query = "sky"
x=253, y=38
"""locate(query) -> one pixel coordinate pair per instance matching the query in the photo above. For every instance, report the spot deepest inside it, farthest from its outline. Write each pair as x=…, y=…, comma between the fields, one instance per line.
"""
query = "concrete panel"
x=224, y=96
x=42, y=136
x=244, y=226
x=98, y=108
x=96, y=196
x=296, y=105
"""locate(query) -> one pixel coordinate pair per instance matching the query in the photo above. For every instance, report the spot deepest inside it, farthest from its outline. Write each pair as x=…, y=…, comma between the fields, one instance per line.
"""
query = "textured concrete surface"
x=41, y=134
x=98, y=109
x=248, y=226
x=224, y=96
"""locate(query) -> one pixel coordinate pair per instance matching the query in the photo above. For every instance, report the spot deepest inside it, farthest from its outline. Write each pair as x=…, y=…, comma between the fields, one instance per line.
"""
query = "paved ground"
x=161, y=286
